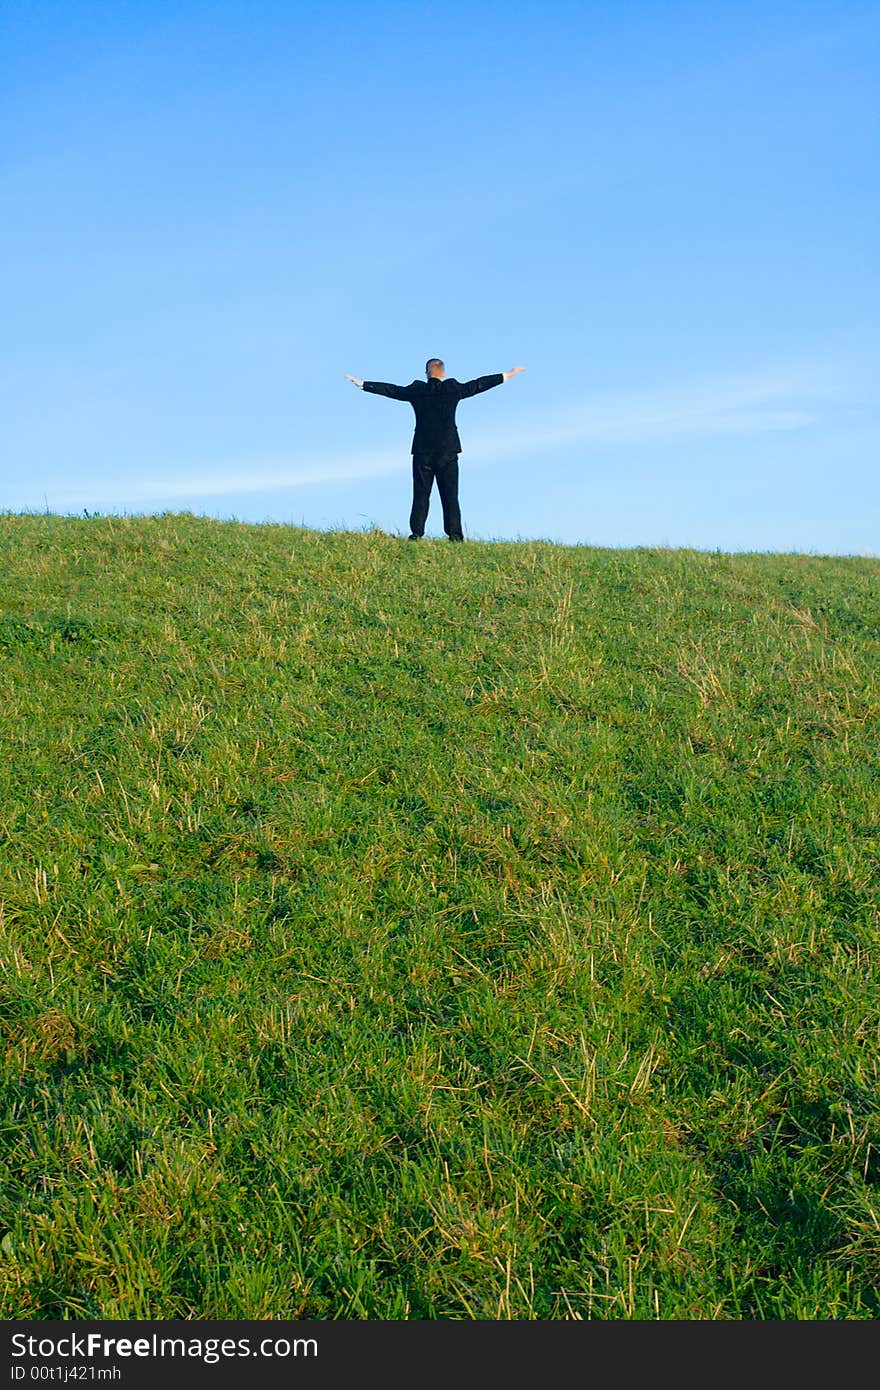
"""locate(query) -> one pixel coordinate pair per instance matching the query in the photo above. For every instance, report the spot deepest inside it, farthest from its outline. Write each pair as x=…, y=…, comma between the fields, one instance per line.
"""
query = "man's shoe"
x=456, y=538
x=414, y=538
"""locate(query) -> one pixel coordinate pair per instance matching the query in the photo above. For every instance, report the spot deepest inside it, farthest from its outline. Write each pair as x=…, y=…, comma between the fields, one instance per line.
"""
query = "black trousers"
x=443, y=467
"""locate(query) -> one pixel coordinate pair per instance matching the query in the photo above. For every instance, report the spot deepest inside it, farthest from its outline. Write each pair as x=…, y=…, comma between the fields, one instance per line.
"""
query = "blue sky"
x=669, y=213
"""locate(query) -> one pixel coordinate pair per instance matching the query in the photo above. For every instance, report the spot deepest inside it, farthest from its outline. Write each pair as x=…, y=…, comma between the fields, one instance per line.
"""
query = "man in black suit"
x=436, y=445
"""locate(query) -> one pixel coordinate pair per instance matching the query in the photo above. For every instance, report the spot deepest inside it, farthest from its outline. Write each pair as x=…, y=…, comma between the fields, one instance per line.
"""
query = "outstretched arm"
x=382, y=388
x=485, y=383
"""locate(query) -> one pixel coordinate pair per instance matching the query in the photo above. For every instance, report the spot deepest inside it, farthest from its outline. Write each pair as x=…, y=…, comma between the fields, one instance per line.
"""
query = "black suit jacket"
x=434, y=403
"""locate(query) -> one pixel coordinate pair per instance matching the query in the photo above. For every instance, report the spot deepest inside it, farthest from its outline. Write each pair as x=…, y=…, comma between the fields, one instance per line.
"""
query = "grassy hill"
x=396, y=931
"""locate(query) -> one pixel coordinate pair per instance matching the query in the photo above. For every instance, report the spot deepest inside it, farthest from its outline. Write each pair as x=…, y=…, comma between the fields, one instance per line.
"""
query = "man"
x=436, y=445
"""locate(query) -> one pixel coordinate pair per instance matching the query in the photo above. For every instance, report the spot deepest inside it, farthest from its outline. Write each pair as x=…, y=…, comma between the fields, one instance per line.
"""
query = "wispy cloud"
x=263, y=475
x=751, y=405
x=756, y=404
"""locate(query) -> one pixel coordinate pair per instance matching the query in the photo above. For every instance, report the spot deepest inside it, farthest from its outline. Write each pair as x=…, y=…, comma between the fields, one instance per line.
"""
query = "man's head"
x=434, y=367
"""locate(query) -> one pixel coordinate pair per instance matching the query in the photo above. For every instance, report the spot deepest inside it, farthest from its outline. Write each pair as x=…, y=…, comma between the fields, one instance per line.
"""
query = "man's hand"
x=513, y=371
x=349, y=377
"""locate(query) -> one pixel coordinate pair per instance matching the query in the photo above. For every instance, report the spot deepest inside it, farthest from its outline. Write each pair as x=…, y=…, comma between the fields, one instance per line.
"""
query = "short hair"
x=433, y=362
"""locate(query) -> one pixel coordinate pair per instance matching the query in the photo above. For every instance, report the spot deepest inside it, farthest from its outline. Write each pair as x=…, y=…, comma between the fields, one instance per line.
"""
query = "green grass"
x=396, y=931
